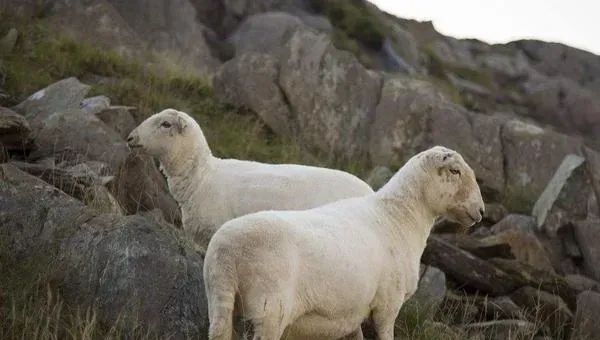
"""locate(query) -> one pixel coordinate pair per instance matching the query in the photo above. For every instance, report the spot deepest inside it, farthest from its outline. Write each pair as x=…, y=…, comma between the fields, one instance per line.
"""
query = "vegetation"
x=354, y=19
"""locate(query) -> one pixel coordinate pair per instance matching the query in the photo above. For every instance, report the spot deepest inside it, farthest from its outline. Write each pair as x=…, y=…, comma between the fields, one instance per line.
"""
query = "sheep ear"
x=446, y=157
x=180, y=124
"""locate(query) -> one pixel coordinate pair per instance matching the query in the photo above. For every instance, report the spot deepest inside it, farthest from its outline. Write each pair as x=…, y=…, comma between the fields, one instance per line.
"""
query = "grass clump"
x=354, y=20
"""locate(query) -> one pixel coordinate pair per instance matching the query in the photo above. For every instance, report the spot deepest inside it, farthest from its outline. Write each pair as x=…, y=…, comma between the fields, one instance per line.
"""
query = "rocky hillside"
x=335, y=83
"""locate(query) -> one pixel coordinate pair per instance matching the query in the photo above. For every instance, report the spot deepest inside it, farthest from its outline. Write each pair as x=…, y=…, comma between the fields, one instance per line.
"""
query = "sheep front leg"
x=384, y=324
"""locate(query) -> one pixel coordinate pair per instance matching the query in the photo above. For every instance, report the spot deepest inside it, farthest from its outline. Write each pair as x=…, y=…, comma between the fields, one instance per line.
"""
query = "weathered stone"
x=139, y=186
x=332, y=96
x=469, y=86
x=563, y=103
x=502, y=329
x=460, y=308
x=14, y=132
x=405, y=44
x=250, y=81
x=588, y=237
x=548, y=308
x=63, y=95
x=554, y=188
x=82, y=132
x=582, y=283
x=99, y=198
x=494, y=212
x=525, y=274
x=586, y=325
x=524, y=246
x=133, y=265
x=467, y=269
x=506, y=67
x=531, y=156
x=501, y=307
x=483, y=248
x=263, y=33
x=379, y=176
x=119, y=118
x=95, y=104
x=516, y=222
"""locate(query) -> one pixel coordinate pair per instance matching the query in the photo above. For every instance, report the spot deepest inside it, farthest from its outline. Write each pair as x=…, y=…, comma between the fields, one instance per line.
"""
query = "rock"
x=469, y=86
x=250, y=81
x=82, y=132
x=467, y=269
x=582, y=283
x=119, y=118
x=502, y=329
x=14, y=132
x=9, y=41
x=494, y=212
x=318, y=22
x=524, y=246
x=379, y=176
x=61, y=96
x=399, y=129
x=505, y=67
x=525, y=274
x=483, y=248
x=111, y=263
x=332, y=96
x=516, y=222
x=554, y=59
x=587, y=234
x=95, y=104
x=501, y=307
x=548, y=308
x=99, y=198
x=564, y=104
x=586, y=324
x=405, y=44
x=556, y=185
x=70, y=180
x=170, y=28
x=529, y=164
x=139, y=186
x=264, y=32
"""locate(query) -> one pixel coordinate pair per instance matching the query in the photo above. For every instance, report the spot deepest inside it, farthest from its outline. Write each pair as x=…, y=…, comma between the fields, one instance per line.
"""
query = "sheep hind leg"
x=269, y=323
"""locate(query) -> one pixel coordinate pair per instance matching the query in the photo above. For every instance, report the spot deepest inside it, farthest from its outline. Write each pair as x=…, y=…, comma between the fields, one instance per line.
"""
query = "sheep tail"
x=221, y=288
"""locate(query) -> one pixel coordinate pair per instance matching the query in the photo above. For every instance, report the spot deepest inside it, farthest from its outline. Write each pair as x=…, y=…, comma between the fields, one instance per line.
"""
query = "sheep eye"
x=455, y=172
x=165, y=124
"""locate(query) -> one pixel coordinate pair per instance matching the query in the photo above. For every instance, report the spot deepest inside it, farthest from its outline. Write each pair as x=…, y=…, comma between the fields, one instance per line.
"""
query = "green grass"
x=354, y=19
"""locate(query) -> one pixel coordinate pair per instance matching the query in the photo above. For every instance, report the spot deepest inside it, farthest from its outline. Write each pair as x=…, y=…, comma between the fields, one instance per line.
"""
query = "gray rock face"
x=118, y=118
x=502, y=329
x=250, y=81
x=111, y=263
x=587, y=234
x=549, y=308
x=586, y=326
x=139, y=186
x=263, y=33
x=332, y=96
x=63, y=95
x=430, y=292
x=545, y=202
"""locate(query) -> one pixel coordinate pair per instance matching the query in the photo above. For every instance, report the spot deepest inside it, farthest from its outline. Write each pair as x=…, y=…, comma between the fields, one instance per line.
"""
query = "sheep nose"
x=132, y=140
x=481, y=211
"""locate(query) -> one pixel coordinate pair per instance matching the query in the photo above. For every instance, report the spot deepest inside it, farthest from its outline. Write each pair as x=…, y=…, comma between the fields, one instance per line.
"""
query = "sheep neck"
x=185, y=170
x=410, y=217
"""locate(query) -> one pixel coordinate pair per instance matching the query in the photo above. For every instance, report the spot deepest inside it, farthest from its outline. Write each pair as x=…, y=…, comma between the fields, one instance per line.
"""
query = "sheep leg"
x=267, y=319
x=384, y=324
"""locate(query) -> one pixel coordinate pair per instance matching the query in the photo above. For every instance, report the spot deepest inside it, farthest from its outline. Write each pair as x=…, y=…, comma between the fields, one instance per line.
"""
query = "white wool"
x=318, y=273
x=211, y=190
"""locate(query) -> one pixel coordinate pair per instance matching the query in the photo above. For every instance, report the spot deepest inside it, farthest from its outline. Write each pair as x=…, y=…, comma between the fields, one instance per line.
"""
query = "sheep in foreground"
x=211, y=190
x=319, y=273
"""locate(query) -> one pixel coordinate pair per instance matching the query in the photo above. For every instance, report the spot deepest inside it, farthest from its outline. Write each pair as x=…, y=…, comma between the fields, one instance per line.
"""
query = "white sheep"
x=211, y=190
x=319, y=273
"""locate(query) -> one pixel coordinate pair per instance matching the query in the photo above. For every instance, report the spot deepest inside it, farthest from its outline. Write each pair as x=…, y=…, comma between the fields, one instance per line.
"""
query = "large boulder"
x=586, y=325
x=532, y=155
x=587, y=234
x=264, y=33
x=333, y=97
x=134, y=265
x=250, y=81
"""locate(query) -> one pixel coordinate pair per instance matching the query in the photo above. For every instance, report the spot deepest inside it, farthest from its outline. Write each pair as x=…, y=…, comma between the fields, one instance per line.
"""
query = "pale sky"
x=572, y=22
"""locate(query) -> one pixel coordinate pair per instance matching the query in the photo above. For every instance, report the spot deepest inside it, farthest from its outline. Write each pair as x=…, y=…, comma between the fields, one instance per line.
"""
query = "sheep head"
x=451, y=189
x=161, y=134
